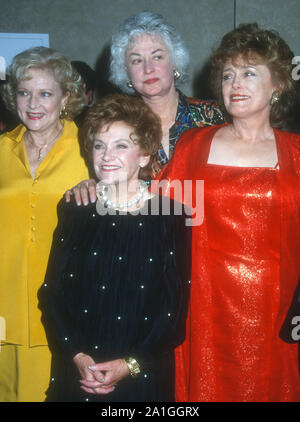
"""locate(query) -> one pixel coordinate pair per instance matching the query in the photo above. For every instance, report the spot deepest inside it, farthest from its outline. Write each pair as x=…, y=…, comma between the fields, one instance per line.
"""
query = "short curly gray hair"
x=45, y=58
x=150, y=24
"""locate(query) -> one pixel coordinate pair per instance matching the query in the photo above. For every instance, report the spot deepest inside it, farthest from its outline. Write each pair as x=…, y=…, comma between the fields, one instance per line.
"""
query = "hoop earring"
x=129, y=84
x=275, y=97
x=177, y=74
x=63, y=113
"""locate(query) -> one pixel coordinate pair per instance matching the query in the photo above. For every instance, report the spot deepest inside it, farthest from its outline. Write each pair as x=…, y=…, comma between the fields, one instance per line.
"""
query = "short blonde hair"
x=47, y=59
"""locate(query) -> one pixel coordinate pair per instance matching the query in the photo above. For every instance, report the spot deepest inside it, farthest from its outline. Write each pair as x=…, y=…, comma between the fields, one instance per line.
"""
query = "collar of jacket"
x=70, y=131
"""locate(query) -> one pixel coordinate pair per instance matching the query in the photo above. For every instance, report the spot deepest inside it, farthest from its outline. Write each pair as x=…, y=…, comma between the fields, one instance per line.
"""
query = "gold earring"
x=63, y=113
x=177, y=74
x=275, y=97
x=129, y=84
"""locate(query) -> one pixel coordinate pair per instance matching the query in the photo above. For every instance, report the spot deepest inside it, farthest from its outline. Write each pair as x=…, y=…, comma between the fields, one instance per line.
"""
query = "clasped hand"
x=100, y=378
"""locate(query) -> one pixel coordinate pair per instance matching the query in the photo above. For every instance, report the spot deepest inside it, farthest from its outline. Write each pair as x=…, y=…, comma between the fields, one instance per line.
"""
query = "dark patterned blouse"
x=190, y=113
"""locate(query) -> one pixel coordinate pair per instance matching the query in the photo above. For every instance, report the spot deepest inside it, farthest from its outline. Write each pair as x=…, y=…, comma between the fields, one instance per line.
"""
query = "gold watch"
x=133, y=366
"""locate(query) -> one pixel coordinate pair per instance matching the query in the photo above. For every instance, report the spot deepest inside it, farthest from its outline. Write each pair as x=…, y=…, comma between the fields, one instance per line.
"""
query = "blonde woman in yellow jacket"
x=39, y=160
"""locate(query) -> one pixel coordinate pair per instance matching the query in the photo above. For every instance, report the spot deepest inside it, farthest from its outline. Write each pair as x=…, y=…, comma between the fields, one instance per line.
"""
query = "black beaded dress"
x=117, y=286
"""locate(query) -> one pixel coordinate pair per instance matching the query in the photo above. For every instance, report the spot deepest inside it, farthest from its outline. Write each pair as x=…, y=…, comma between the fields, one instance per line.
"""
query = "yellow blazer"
x=27, y=220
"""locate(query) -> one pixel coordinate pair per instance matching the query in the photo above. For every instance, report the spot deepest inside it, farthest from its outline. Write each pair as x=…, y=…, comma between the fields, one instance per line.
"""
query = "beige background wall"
x=81, y=29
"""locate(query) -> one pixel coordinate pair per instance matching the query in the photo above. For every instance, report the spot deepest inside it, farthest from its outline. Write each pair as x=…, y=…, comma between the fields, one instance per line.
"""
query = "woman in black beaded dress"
x=115, y=297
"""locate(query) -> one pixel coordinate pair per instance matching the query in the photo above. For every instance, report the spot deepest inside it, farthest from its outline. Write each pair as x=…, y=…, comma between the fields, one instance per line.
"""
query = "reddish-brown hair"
x=259, y=46
x=135, y=113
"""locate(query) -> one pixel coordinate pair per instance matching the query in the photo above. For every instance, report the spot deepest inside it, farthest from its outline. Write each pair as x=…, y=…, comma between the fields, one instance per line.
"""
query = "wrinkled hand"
x=84, y=192
x=107, y=374
x=92, y=381
x=83, y=361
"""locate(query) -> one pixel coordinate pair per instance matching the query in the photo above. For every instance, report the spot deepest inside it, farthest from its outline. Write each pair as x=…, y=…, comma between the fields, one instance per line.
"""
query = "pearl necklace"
x=44, y=146
x=109, y=204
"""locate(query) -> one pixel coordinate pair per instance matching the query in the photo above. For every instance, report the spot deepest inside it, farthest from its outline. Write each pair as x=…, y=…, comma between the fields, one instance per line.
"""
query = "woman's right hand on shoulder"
x=84, y=192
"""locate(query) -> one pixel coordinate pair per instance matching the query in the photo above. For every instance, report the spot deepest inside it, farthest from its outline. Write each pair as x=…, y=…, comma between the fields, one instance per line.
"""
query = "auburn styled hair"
x=132, y=110
x=257, y=46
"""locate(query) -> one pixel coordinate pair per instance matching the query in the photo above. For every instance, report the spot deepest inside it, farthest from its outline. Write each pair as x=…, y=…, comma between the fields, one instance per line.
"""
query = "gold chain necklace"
x=29, y=136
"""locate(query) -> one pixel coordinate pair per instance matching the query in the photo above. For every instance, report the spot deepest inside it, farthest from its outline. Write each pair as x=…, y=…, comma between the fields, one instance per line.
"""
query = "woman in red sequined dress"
x=246, y=251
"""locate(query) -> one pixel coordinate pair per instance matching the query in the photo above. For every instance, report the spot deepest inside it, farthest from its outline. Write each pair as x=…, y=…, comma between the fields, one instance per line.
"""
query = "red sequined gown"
x=245, y=269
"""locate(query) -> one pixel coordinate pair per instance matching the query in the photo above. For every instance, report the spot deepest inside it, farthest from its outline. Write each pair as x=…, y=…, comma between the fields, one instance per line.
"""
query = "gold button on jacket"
x=28, y=218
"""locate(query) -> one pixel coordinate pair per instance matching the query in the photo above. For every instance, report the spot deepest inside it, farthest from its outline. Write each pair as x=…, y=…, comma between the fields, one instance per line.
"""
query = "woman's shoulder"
x=190, y=154
x=70, y=130
x=204, y=104
x=289, y=139
x=71, y=210
x=289, y=149
x=205, y=112
x=191, y=139
x=165, y=206
x=15, y=134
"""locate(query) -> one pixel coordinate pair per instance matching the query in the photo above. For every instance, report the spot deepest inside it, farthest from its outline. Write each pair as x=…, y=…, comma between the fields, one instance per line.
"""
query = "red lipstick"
x=151, y=81
x=238, y=97
x=35, y=116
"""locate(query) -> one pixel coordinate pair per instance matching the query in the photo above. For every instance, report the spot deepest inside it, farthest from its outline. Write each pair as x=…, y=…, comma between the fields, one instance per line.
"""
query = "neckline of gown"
x=276, y=168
